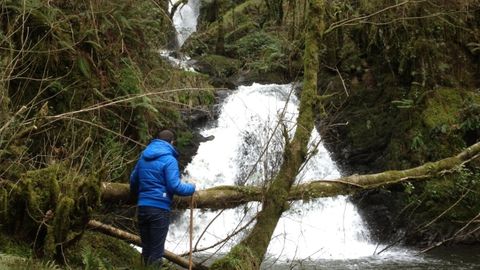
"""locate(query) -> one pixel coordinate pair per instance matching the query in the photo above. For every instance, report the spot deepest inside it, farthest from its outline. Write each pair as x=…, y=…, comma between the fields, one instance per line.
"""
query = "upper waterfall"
x=185, y=20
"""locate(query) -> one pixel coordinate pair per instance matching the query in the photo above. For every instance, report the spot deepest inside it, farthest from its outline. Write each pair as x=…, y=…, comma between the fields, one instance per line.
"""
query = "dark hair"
x=166, y=135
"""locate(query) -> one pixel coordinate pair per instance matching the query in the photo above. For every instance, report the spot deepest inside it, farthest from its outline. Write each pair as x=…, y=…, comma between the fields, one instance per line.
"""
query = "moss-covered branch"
x=222, y=197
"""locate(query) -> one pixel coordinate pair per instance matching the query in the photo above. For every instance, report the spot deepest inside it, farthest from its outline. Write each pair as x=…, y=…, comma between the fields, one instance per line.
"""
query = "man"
x=155, y=180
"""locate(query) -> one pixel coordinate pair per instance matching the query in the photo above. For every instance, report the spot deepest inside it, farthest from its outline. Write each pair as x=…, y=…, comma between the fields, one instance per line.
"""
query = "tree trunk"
x=249, y=253
x=275, y=10
x=220, y=44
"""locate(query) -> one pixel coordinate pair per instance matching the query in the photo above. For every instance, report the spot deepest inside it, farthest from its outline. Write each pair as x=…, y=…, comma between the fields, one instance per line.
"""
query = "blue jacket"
x=156, y=177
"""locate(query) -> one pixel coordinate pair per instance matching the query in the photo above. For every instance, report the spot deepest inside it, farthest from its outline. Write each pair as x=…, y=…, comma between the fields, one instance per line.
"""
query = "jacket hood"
x=158, y=148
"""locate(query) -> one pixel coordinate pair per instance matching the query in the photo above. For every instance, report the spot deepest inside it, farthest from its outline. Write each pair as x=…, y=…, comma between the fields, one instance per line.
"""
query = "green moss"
x=107, y=251
x=111, y=251
x=239, y=258
x=219, y=66
x=57, y=234
x=443, y=108
x=41, y=194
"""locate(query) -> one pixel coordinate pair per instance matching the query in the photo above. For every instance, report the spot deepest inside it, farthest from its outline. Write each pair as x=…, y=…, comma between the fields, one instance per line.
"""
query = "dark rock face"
x=197, y=120
x=359, y=133
x=190, y=150
x=378, y=208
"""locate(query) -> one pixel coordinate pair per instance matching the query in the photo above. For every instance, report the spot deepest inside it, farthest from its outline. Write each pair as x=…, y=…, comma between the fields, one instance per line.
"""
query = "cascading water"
x=322, y=228
x=185, y=20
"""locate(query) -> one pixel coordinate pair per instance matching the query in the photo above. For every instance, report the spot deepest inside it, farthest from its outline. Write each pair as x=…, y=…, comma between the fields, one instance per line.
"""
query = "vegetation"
x=82, y=89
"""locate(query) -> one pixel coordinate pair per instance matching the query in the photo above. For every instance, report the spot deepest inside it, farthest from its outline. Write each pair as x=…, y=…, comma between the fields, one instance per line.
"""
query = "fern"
x=92, y=262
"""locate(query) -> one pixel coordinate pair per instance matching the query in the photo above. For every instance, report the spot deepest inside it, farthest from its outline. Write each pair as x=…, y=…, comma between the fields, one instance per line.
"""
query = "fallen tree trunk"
x=135, y=239
x=222, y=197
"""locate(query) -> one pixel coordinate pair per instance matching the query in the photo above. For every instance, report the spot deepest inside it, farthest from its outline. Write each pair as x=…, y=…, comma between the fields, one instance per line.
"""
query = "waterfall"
x=320, y=229
x=185, y=20
x=328, y=228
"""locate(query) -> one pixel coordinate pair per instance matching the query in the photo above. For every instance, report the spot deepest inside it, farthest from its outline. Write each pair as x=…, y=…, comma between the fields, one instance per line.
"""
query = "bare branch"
x=135, y=239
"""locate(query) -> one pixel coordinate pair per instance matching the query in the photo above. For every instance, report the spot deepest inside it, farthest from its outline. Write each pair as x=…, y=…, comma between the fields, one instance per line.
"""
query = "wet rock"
x=189, y=150
x=197, y=118
x=379, y=209
x=219, y=68
x=248, y=77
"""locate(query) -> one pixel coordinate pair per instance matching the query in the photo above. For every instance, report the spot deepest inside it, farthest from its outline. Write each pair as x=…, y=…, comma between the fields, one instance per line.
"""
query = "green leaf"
x=84, y=66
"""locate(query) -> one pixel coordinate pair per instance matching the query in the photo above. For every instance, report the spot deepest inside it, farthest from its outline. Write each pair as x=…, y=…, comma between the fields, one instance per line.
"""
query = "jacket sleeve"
x=172, y=178
x=134, y=181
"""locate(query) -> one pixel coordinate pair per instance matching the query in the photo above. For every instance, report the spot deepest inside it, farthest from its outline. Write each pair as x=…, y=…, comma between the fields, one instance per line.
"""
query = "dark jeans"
x=153, y=225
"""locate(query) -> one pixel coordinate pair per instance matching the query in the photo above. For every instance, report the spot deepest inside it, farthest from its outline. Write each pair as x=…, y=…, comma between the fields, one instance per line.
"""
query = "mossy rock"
x=217, y=65
x=239, y=258
x=108, y=250
x=443, y=107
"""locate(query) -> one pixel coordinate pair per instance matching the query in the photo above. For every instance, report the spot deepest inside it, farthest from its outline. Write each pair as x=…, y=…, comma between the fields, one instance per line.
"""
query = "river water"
x=325, y=233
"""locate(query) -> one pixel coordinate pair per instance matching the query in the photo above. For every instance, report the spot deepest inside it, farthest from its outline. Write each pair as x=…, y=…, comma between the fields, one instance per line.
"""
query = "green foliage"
x=470, y=115
x=11, y=246
x=184, y=138
x=273, y=59
x=10, y=262
x=262, y=52
x=403, y=103
x=252, y=45
x=92, y=262
x=424, y=46
x=84, y=67
x=77, y=59
x=453, y=195
x=113, y=159
x=417, y=142
x=443, y=108
x=97, y=250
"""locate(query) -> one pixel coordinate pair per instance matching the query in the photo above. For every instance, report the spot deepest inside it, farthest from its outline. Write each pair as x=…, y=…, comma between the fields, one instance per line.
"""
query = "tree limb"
x=135, y=239
x=222, y=197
